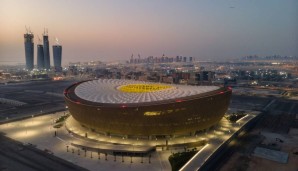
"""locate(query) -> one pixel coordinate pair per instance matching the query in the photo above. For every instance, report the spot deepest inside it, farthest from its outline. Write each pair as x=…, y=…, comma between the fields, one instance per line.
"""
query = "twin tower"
x=43, y=53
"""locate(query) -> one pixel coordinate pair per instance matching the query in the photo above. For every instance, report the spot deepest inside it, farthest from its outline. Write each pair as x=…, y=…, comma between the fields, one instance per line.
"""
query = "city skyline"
x=113, y=30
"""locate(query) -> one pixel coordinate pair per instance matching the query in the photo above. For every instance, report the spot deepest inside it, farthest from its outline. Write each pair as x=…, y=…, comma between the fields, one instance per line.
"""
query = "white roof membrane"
x=105, y=91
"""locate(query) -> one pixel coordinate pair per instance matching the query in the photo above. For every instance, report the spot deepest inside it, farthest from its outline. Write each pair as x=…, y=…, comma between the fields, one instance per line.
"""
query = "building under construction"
x=29, y=49
x=46, y=50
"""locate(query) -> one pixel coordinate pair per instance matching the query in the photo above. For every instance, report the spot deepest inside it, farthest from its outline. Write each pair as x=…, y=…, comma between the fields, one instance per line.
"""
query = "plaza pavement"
x=39, y=131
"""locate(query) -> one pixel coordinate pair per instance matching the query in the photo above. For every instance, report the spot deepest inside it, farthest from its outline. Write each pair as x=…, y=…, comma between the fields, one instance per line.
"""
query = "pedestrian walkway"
x=216, y=142
x=39, y=131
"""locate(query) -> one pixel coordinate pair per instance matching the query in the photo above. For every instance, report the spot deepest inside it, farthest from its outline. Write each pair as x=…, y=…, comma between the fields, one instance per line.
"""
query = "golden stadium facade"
x=143, y=109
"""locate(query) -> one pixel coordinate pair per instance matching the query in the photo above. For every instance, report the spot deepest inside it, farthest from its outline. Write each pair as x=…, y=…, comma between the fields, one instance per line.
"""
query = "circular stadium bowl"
x=143, y=109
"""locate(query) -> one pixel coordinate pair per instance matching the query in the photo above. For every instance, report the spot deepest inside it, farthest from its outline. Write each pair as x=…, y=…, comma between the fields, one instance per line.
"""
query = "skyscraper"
x=40, y=57
x=29, y=49
x=46, y=50
x=57, y=54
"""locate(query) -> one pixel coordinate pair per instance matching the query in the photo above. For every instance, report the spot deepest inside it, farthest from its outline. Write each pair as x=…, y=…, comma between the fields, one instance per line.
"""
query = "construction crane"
x=39, y=40
x=28, y=30
x=45, y=31
x=56, y=40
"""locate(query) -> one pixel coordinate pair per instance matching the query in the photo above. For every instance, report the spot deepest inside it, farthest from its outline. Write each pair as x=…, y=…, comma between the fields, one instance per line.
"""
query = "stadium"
x=144, y=109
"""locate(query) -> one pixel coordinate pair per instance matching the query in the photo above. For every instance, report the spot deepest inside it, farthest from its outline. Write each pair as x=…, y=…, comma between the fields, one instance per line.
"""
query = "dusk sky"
x=108, y=30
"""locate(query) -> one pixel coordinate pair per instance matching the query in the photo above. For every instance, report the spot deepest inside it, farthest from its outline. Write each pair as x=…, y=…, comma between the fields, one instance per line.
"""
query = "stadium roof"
x=128, y=91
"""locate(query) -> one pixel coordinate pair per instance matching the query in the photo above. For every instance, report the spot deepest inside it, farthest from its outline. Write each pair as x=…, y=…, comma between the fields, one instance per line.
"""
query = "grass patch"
x=58, y=123
x=61, y=118
x=235, y=116
x=177, y=160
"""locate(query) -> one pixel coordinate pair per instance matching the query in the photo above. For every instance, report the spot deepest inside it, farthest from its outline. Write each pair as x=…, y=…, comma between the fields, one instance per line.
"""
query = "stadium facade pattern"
x=146, y=110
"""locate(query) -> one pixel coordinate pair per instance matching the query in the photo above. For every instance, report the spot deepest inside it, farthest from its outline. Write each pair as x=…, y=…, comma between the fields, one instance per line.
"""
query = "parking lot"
x=31, y=98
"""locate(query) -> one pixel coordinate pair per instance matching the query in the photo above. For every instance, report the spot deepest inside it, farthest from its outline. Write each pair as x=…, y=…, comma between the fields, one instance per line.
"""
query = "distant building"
x=201, y=78
x=40, y=57
x=162, y=59
x=29, y=49
x=57, y=54
x=46, y=51
x=177, y=59
x=131, y=61
x=206, y=77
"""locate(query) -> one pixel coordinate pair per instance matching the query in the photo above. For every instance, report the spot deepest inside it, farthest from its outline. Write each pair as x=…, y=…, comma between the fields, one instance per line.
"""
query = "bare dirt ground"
x=236, y=162
x=278, y=122
x=242, y=160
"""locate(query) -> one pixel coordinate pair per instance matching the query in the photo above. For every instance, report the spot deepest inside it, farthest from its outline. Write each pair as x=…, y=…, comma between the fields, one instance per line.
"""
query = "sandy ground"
x=241, y=161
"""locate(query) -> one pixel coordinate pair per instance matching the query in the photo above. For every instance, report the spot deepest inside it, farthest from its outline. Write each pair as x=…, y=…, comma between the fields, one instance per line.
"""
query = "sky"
x=109, y=30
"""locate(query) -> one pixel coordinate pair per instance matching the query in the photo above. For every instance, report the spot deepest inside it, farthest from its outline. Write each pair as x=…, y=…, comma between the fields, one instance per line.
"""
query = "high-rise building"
x=40, y=57
x=46, y=50
x=57, y=54
x=131, y=59
x=29, y=49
